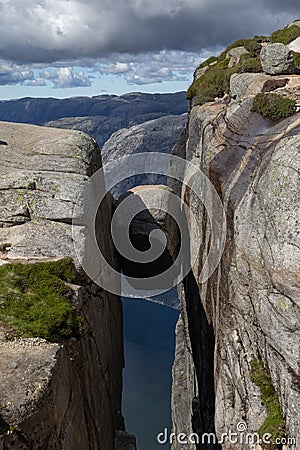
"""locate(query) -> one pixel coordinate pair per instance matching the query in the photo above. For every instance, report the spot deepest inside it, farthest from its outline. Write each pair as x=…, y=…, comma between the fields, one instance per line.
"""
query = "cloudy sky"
x=61, y=48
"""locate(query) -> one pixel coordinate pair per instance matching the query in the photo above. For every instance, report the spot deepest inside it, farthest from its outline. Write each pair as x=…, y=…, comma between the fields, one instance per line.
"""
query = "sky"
x=64, y=48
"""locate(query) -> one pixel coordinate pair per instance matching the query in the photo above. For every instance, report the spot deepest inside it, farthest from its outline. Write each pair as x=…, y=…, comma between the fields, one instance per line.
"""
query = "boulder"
x=277, y=59
x=146, y=210
x=246, y=84
x=234, y=55
x=295, y=45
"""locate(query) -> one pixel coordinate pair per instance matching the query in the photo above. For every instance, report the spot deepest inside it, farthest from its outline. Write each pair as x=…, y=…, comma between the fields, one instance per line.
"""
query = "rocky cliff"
x=237, y=354
x=61, y=343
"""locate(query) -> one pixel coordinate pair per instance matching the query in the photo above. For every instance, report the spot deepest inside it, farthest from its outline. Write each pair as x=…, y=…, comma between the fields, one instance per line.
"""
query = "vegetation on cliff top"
x=274, y=423
x=35, y=299
x=273, y=106
x=215, y=81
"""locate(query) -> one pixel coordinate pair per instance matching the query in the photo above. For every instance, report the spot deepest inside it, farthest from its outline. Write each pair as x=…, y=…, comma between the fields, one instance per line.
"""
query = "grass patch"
x=249, y=64
x=213, y=83
x=273, y=106
x=274, y=423
x=35, y=300
x=285, y=35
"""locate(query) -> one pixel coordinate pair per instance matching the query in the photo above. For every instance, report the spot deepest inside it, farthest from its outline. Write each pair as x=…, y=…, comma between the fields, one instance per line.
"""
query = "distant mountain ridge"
x=99, y=116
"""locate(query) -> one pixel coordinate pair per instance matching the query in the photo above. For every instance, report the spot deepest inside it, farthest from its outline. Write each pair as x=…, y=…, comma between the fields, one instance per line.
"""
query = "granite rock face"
x=68, y=394
x=249, y=308
x=277, y=59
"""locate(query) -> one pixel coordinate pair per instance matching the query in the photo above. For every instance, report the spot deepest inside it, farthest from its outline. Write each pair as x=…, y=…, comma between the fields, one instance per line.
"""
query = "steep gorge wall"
x=249, y=309
x=65, y=394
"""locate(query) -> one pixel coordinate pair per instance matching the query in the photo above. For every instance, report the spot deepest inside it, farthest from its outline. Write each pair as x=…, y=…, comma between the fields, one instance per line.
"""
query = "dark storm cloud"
x=49, y=30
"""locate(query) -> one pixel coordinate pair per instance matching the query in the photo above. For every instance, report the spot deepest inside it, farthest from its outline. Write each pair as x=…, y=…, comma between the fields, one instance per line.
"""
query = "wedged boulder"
x=277, y=59
x=144, y=209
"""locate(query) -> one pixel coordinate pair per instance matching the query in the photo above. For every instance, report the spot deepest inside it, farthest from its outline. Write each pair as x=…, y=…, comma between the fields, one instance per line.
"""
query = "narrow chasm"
x=149, y=329
x=202, y=348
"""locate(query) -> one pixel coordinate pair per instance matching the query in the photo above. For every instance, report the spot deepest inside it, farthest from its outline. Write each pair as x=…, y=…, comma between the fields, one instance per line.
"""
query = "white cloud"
x=66, y=77
x=148, y=68
x=38, y=82
x=14, y=73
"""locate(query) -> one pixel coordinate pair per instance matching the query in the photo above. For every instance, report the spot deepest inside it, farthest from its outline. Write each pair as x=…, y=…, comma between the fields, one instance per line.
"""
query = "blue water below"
x=149, y=335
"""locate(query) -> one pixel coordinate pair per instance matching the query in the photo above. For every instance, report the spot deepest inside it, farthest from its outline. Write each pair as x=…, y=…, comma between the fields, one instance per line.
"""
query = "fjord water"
x=149, y=339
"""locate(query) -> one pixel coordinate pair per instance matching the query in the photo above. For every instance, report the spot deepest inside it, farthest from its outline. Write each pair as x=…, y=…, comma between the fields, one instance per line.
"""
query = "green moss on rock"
x=274, y=423
x=286, y=35
x=273, y=106
x=252, y=45
x=35, y=300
